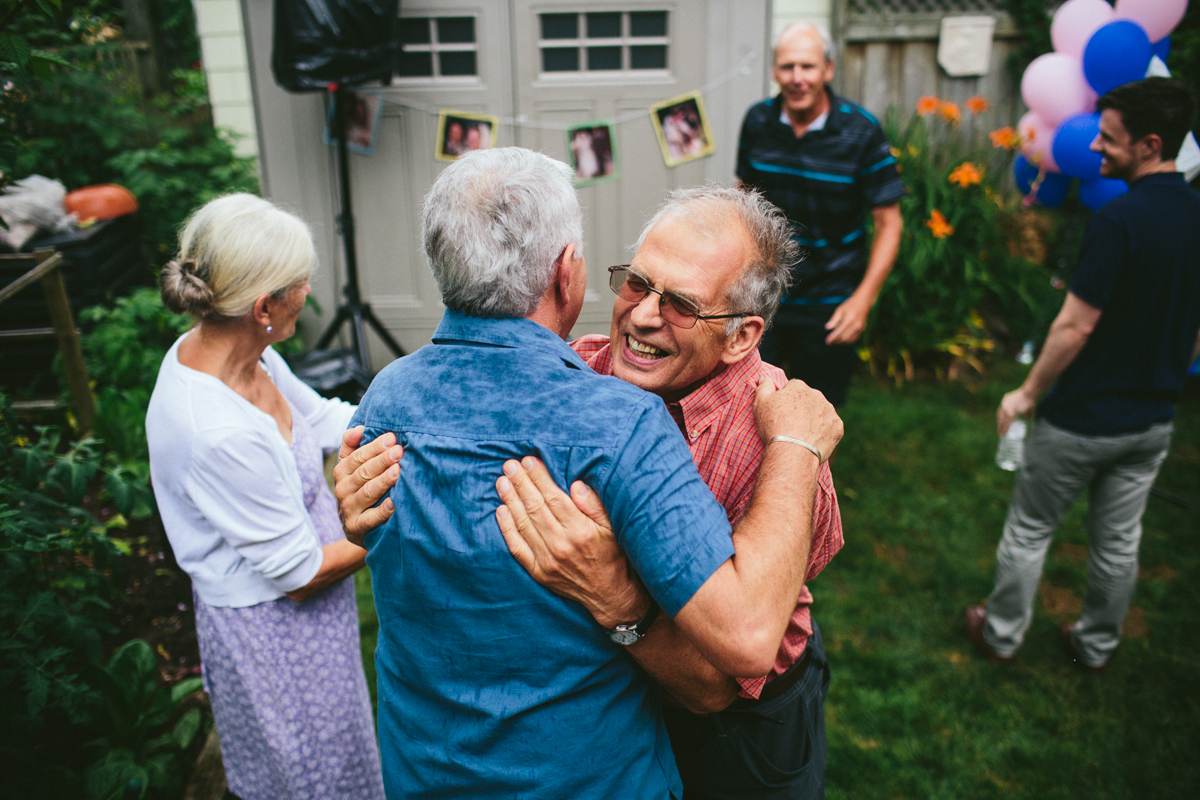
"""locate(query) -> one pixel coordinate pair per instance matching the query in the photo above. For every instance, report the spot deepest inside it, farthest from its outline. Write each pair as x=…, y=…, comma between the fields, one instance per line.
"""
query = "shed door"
x=608, y=61
x=538, y=67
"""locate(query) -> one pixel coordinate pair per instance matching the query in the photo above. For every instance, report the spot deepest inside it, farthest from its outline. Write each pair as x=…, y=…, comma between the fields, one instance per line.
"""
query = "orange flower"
x=966, y=174
x=977, y=104
x=1004, y=137
x=928, y=104
x=950, y=112
x=939, y=226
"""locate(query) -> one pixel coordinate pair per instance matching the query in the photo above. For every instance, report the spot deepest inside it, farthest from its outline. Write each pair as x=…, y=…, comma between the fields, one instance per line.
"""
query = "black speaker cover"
x=319, y=42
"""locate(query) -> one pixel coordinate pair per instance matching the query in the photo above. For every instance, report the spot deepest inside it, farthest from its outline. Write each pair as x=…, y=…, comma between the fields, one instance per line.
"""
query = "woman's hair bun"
x=183, y=291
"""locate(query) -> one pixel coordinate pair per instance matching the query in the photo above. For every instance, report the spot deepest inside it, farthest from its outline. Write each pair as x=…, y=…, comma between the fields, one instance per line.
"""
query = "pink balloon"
x=1039, y=140
x=1075, y=22
x=1053, y=85
x=1157, y=17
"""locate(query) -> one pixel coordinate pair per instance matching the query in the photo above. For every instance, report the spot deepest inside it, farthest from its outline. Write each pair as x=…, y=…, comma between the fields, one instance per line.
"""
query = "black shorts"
x=800, y=351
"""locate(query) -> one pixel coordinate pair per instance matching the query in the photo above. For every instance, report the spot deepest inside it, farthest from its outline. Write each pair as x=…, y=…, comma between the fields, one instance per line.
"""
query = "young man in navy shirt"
x=1114, y=363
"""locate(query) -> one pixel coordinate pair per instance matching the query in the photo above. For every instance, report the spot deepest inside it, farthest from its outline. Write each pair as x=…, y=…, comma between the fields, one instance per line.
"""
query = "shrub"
x=80, y=117
x=123, y=351
x=954, y=269
x=66, y=721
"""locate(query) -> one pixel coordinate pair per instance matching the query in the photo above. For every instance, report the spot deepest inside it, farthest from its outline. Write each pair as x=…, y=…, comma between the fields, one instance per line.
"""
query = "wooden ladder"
x=45, y=267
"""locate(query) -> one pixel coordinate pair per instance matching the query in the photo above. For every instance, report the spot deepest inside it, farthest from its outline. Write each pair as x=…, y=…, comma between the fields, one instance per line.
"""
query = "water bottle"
x=1011, y=451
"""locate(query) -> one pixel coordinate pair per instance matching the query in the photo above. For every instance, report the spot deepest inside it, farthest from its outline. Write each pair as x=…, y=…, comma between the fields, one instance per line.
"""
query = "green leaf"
x=185, y=688
x=49, y=58
x=187, y=728
x=13, y=47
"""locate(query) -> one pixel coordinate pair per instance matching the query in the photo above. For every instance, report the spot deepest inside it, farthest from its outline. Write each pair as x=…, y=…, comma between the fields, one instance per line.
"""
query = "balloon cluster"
x=1096, y=48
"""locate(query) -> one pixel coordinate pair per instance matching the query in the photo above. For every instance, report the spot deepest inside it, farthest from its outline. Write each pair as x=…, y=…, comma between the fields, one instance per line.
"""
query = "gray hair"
x=712, y=210
x=494, y=223
x=232, y=251
x=819, y=30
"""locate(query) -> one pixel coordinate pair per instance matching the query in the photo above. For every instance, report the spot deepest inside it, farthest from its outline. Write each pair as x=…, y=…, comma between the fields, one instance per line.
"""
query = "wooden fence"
x=889, y=58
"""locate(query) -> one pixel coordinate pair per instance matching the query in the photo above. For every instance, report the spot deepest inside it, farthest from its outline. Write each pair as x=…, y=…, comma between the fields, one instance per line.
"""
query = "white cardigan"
x=227, y=484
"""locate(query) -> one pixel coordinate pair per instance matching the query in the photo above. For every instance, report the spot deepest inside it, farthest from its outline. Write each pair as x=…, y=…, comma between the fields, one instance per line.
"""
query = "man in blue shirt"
x=490, y=685
x=826, y=163
x=1114, y=363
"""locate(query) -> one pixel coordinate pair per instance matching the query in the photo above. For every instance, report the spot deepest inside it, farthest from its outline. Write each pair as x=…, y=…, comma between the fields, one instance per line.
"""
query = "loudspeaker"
x=323, y=42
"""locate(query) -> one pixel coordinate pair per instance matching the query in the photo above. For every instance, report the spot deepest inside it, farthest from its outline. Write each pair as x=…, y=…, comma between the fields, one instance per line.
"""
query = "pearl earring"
x=269, y=329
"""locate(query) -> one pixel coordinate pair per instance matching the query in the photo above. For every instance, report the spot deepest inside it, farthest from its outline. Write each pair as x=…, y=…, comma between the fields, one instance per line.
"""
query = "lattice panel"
x=893, y=7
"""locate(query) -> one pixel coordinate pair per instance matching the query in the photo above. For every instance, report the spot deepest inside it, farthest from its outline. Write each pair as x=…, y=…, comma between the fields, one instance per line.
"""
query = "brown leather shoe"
x=974, y=617
x=1064, y=635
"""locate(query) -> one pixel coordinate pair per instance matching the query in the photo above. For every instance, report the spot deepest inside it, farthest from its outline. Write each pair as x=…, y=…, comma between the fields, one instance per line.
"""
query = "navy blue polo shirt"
x=489, y=684
x=1141, y=266
x=825, y=182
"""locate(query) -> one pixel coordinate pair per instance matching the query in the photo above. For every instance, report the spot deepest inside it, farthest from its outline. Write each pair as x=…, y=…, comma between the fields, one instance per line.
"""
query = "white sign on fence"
x=965, y=45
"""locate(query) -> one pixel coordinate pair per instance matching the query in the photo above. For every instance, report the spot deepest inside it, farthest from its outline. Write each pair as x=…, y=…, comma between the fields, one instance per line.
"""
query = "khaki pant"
x=1118, y=472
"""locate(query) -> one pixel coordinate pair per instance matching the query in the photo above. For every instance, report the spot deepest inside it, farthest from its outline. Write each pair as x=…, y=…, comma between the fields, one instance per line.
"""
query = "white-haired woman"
x=235, y=458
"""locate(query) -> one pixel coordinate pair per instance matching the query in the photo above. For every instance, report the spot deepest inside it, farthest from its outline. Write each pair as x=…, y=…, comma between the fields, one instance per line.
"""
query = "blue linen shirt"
x=490, y=685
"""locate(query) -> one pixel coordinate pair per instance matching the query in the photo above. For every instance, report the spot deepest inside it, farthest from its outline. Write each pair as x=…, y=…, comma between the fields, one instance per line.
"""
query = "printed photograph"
x=682, y=129
x=459, y=133
x=591, y=152
x=366, y=110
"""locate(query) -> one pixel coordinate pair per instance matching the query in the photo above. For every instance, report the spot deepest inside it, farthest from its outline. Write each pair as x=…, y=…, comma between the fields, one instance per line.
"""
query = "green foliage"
x=1032, y=18
x=84, y=121
x=139, y=745
x=954, y=260
x=65, y=720
x=123, y=351
x=1184, y=58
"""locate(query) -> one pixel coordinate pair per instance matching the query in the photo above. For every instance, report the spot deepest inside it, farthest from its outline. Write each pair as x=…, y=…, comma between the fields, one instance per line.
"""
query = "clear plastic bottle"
x=1011, y=452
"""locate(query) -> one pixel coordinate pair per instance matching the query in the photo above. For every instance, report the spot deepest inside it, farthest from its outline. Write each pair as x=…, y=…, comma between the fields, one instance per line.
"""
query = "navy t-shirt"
x=1141, y=266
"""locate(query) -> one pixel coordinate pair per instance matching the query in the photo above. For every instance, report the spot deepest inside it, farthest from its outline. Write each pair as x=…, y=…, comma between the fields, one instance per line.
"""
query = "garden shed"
x=538, y=67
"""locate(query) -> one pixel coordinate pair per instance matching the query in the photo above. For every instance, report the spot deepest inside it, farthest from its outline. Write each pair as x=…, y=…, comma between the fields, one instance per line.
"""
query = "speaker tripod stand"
x=354, y=310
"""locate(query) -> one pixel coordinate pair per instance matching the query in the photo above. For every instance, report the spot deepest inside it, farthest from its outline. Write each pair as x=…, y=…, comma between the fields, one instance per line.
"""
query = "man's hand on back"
x=800, y=412
x=566, y=543
x=361, y=477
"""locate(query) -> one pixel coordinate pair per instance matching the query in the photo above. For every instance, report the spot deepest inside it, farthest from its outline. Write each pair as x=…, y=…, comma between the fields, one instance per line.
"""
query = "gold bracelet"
x=806, y=445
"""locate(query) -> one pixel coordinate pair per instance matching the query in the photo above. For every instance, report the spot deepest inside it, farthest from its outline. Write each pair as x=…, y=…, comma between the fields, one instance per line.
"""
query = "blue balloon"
x=1117, y=53
x=1053, y=190
x=1025, y=174
x=1097, y=191
x=1162, y=48
x=1071, y=146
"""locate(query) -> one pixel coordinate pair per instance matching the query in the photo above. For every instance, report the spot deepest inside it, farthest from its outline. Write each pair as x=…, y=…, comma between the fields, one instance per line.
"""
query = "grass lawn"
x=912, y=711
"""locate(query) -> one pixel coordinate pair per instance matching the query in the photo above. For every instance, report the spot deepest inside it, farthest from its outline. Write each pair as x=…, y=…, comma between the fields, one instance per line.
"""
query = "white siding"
x=223, y=48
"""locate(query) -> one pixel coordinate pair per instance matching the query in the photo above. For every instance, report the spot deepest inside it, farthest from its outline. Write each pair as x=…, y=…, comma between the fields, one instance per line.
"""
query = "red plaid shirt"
x=718, y=421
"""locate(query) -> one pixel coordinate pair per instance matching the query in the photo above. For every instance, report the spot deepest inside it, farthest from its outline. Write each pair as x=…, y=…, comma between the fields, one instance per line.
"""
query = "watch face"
x=623, y=637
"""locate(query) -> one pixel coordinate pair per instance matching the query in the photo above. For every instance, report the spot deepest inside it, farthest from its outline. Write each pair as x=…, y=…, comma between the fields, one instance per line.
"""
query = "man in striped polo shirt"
x=826, y=163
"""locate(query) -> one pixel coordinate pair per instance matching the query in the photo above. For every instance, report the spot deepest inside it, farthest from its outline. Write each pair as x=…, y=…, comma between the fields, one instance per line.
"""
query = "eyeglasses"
x=674, y=309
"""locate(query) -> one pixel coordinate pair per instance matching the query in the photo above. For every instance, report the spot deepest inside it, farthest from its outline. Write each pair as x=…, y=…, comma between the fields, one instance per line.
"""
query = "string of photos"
x=680, y=125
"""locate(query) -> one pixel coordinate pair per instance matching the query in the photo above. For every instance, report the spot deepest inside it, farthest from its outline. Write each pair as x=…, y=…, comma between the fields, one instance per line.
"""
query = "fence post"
x=68, y=343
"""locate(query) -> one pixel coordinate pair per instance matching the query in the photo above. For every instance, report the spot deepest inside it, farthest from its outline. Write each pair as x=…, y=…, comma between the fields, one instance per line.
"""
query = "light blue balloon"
x=1097, y=191
x=1117, y=53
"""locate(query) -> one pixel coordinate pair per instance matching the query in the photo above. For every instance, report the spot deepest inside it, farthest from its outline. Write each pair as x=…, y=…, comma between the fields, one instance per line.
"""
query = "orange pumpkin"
x=100, y=202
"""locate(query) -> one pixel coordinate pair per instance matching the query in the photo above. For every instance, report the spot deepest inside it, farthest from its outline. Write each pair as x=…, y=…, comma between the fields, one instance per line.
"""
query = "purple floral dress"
x=286, y=679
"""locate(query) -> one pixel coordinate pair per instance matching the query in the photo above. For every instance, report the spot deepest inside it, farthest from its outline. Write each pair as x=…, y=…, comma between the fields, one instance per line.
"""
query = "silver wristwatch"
x=630, y=634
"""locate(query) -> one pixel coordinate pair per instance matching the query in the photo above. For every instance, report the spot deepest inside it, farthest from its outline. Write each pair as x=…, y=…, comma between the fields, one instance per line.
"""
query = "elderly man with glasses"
x=690, y=310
